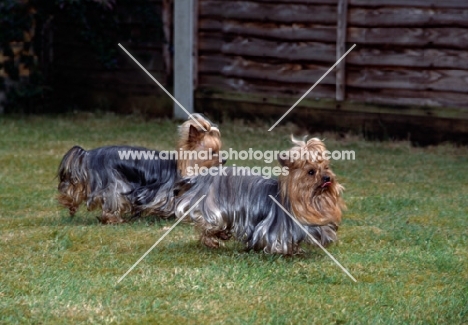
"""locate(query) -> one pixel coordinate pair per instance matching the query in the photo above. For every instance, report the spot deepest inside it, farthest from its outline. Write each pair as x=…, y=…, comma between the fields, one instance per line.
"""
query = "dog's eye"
x=311, y=172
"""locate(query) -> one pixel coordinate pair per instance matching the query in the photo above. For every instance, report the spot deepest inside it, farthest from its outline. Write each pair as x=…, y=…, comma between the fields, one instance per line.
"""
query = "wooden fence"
x=409, y=68
x=411, y=56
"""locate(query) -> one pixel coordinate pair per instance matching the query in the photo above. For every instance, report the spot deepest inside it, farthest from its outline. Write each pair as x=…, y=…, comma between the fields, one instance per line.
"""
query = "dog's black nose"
x=325, y=179
x=223, y=161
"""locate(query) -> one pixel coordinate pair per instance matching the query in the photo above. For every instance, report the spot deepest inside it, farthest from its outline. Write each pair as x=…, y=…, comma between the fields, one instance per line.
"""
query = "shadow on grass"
x=233, y=250
x=91, y=218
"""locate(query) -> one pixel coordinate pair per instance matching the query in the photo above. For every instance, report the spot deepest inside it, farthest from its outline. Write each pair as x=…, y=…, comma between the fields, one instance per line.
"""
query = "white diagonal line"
x=308, y=91
x=159, y=240
x=314, y=240
x=168, y=93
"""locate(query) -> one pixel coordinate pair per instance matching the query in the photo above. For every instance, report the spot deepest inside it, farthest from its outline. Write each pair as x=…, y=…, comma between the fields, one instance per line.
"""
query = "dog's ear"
x=283, y=159
x=194, y=134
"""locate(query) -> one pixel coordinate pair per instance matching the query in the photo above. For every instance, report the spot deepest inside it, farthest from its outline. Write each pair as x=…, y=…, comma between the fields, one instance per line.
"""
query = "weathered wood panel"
x=323, y=52
x=358, y=16
x=437, y=37
x=408, y=52
x=421, y=58
x=286, y=51
x=382, y=3
x=412, y=3
x=276, y=31
x=377, y=96
x=282, y=102
x=267, y=87
x=244, y=68
x=409, y=97
x=269, y=12
x=414, y=17
x=455, y=4
x=308, y=2
x=388, y=123
x=445, y=80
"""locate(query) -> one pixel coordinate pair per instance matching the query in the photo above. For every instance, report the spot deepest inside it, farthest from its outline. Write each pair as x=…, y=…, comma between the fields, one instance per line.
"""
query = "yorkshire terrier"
x=118, y=186
x=240, y=206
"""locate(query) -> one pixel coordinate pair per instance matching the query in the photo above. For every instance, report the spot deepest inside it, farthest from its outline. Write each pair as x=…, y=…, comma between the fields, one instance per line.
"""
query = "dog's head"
x=311, y=187
x=199, y=144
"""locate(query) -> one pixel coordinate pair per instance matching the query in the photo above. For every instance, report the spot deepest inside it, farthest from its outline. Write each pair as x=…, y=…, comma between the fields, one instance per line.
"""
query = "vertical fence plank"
x=341, y=48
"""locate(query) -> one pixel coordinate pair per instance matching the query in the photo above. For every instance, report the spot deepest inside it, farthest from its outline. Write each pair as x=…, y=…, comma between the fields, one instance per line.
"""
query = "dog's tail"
x=73, y=179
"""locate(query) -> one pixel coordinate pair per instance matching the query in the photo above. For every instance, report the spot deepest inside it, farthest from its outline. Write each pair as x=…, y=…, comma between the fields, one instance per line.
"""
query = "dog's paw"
x=210, y=241
x=110, y=219
x=224, y=235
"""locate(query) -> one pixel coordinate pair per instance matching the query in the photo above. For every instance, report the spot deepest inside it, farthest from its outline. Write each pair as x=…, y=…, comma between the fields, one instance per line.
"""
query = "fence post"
x=183, y=56
x=341, y=26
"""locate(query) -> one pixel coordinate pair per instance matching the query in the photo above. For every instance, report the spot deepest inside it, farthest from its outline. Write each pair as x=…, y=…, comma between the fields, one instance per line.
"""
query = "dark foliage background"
x=24, y=43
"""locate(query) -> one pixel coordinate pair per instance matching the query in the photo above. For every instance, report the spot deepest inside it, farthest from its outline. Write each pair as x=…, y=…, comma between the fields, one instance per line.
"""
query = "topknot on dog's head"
x=304, y=151
x=313, y=144
x=197, y=127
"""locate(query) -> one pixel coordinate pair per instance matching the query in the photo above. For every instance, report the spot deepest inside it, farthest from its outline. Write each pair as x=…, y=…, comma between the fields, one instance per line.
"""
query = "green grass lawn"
x=404, y=237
